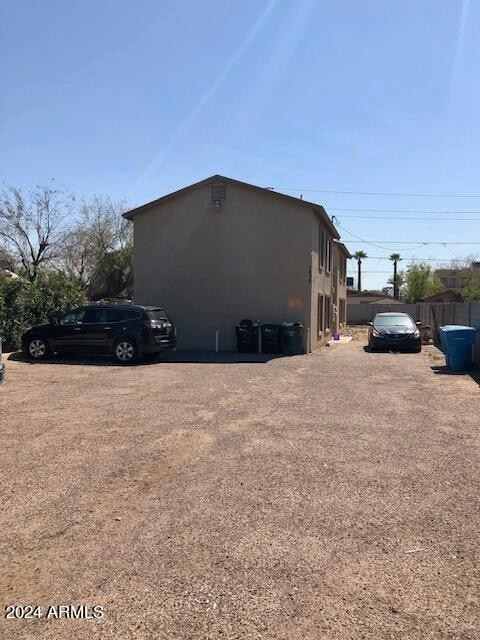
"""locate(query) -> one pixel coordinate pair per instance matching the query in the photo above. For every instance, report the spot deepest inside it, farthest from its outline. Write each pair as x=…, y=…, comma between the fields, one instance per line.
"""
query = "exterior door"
x=67, y=335
x=98, y=329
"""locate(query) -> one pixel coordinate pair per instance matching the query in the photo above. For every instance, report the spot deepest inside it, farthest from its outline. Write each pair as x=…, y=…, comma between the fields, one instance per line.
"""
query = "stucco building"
x=222, y=250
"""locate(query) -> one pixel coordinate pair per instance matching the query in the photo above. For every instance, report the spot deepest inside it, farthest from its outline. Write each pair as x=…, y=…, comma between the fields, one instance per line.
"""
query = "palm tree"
x=359, y=256
x=395, y=258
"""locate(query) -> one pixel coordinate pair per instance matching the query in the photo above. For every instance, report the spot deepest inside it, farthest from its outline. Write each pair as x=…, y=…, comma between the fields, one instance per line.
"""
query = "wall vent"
x=218, y=192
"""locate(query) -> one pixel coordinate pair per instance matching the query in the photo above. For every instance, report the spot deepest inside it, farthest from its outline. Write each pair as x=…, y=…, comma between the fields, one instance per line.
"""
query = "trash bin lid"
x=456, y=327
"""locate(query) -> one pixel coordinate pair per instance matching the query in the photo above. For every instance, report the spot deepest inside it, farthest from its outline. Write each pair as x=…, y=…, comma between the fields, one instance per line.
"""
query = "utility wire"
x=382, y=193
x=446, y=211
x=416, y=242
x=411, y=218
x=411, y=259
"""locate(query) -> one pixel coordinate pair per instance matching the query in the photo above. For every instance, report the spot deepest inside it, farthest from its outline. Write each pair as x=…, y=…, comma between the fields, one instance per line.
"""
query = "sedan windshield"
x=393, y=321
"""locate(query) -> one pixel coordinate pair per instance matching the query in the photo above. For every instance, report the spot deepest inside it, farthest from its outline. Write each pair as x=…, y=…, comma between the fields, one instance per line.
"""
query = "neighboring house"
x=459, y=280
x=444, y=296
x=370, y=297
x=222, y=250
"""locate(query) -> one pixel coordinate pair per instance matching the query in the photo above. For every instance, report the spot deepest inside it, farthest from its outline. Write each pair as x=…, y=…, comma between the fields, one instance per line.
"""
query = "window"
x=393, y=321
x=320, y=314
x=328, y=255
x=328, y=321
x=96, y=316
x=75, y=317
x=342, y=319
x=157, y=315
x=450, y=282
x=128, y=314
x=321, y=248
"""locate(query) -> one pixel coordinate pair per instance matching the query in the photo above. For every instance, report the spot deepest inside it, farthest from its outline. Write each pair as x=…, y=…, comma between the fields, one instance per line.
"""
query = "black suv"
x=124, y=331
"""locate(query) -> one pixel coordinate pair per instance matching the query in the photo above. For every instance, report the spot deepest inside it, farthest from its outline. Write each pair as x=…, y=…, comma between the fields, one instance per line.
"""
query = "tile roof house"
x=221, y=250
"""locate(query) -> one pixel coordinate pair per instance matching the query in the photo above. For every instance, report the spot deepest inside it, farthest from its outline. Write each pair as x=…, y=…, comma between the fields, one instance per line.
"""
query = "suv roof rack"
x=97, y=303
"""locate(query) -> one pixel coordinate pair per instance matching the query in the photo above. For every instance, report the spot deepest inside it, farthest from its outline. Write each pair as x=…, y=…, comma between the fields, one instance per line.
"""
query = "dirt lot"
x=334, y=495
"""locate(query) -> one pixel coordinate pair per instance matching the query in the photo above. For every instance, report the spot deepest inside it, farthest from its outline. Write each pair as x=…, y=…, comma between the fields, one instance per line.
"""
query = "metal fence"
x=432, y=315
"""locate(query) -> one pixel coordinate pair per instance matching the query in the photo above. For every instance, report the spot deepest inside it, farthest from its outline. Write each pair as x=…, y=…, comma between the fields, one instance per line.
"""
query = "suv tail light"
x=152, y=324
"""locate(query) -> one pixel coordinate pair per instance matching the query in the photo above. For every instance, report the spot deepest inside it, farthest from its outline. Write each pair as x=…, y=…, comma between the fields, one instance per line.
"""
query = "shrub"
x=24, y=304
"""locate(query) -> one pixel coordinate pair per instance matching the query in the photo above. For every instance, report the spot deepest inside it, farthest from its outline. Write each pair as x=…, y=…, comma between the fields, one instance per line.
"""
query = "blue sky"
x=136, y=99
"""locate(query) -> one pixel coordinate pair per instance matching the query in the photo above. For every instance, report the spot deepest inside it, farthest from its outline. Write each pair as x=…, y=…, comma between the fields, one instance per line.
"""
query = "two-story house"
x=222, y=250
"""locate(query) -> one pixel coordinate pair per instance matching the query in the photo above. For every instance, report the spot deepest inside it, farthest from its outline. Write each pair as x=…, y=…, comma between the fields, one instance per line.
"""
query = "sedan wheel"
x=124, y=351
x=37, y=349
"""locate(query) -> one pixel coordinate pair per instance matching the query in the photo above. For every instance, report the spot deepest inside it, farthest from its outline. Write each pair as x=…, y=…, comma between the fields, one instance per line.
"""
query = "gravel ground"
x=333, y=495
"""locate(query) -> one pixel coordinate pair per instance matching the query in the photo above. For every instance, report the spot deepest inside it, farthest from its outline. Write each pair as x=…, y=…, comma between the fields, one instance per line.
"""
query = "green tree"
x=112, y=276
x=473, y=290
x=398, y=282
x=24, y=303
x=395, y=258
x=420, y=281
x=32, y=227
x=359, y=256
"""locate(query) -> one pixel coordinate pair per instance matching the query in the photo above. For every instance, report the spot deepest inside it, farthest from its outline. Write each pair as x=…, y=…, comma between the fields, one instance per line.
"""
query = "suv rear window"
x=128, y=314
x=157, y=315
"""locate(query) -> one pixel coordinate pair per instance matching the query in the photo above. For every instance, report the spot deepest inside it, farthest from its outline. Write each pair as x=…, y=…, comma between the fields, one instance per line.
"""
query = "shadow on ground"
x=444, y=370
x=367, y=349
x=179, y=357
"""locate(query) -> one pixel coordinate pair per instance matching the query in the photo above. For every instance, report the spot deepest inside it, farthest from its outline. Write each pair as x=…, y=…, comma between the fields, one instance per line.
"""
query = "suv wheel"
x=125, y=351
x=38, y=348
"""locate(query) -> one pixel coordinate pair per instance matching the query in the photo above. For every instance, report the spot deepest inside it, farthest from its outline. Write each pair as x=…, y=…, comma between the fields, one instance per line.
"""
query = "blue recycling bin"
x=442, y=331
x=456, y=342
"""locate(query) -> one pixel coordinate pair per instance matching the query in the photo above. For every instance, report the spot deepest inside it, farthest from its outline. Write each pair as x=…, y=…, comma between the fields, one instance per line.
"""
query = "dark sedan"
x=397, y=331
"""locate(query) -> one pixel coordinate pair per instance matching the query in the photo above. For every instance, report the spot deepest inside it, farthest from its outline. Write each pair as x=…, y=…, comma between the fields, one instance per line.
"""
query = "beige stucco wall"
x=326, y=283
x=210, y=268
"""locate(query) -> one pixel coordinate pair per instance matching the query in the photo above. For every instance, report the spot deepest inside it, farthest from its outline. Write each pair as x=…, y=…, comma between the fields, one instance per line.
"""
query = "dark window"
x=328, y=255
x=321, y=247
x=320, y=314
x=218, y=192
x=96, y=316
x=128, y=314
x=327, y=312
x=157, y=314
x=342, y=318
x=74, y=317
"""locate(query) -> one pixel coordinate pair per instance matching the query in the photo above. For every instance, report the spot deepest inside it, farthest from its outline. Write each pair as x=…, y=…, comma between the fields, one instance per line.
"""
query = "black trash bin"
x=271, y=338
x=292, y=338
x=247, y=336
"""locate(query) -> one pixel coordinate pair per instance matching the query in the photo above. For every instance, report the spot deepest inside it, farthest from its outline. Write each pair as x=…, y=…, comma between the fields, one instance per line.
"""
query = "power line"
x=409, y=259
x=430, y=219
x=413, y=242
x=446, y=211
x=382, y=193
x=377, y=246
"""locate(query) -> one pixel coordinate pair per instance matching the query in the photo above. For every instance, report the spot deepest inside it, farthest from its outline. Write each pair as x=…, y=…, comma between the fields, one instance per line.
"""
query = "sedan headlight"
x=416, y=333
x=375, y=333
